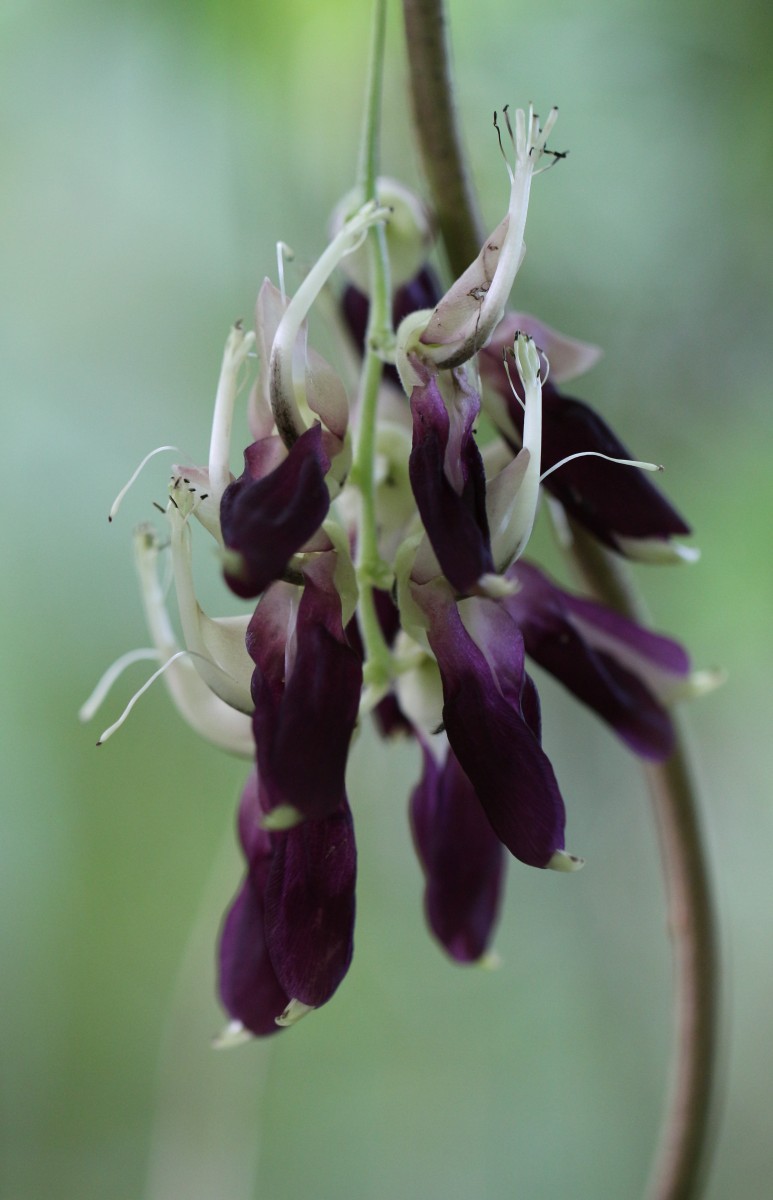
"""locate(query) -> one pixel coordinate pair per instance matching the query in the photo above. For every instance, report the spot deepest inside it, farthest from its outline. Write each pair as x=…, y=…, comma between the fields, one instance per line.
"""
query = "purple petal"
x=558, y=633
x=310, y=906
x=306, y=702
x=660, y=652
x=266, y=521
x=461, y=856
x=249, y=989
x=449, y=484
x=483, y=690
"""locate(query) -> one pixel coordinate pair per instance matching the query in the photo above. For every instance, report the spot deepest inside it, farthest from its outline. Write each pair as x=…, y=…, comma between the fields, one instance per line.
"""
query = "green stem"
x=679, y=1169
x=371, y=570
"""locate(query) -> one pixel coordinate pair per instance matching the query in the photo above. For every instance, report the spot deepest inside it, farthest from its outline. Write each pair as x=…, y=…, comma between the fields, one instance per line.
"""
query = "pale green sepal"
x=408, y=346
x=561, y=861
x=234, y=1034
x=345, y=575
x=284, y=816
x=372, y=695
x=657, y=550
x=293, y=1013
x=412, y=619
x=496, y=586
x=698, y=683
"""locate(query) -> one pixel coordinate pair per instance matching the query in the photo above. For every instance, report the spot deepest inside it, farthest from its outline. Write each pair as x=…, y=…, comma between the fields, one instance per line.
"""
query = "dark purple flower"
x=309, y=906
x=249, y=989
x=461, y=856
x=287, y=939
x=266, y=519
x=306, y=689
x=618, y=505
x=449, y=482
x=411, y=584
x=491, y=718
x=620, y=670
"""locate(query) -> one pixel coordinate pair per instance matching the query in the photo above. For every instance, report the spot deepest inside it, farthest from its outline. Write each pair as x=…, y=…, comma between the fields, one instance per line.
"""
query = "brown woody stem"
x=681, y=1162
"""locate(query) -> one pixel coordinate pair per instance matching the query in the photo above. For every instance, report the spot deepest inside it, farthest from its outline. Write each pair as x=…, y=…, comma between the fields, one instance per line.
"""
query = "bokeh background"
x=152, y=155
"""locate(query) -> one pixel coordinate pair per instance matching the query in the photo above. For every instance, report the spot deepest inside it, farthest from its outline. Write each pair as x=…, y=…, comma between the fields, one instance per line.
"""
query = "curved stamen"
x=100, y=693
x=623, y=462
x=111, y=729
x=119, y=498
x=203, y=710
x=513, y=389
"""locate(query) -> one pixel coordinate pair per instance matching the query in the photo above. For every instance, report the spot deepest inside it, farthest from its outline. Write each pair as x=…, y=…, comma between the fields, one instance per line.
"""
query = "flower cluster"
x=382, y=547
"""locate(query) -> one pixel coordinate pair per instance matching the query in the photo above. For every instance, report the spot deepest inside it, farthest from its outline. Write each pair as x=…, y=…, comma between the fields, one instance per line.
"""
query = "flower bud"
x=410, y=232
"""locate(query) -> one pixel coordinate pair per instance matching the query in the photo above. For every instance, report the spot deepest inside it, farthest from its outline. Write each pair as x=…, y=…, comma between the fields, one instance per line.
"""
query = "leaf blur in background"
x=153, y=154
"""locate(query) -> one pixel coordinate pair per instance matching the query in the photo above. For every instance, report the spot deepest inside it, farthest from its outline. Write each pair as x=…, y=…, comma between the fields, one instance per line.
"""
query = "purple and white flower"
x=384, y=563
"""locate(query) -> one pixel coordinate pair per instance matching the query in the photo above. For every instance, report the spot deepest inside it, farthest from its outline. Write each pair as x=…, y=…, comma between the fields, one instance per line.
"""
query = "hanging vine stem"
x=680, y=1166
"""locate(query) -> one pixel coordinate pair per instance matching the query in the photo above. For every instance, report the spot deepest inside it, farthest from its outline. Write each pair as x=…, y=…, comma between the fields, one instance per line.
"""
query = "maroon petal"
x=462, y=859
x=306, y=699
x=310, y=906
x=449, y=484
x=249, y=989
x=601, y=677
x=486, y=704
x=266, y=521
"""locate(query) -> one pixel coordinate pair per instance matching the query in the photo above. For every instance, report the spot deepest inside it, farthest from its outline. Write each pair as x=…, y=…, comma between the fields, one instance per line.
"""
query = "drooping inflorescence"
x=408, y=546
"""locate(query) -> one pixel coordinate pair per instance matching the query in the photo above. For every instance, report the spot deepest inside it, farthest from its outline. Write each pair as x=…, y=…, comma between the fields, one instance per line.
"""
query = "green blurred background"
x=153, y=153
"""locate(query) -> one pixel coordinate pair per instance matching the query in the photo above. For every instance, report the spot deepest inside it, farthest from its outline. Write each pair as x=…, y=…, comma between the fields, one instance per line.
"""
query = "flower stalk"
x=679, y=1170
x=372, y=572
x=682, y=1158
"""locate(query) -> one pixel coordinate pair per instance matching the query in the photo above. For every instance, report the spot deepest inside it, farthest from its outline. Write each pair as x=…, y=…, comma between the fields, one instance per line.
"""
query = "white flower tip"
x=234, y=1034
x=284, y=816
x=527, y=358
x=238, y=344
x=496, y=586
x=491, y=961
x=293, y=1013
x=561, y=861
x=700, y=683
x=657, y=550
